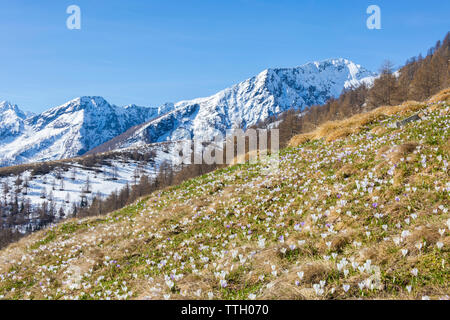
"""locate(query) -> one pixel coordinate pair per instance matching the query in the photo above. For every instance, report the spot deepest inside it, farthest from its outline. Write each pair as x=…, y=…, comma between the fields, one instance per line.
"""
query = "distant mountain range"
x=65, y=131
x=91, y=123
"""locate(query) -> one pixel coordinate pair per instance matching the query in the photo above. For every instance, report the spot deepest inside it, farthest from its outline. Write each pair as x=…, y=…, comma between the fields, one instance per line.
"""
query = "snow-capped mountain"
x=65, y=131
x=11, y=120
x=92, y=124
x=269, y=93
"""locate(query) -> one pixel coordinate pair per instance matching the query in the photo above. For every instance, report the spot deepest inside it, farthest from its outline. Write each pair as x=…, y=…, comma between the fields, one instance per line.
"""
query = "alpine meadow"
x=321, y=180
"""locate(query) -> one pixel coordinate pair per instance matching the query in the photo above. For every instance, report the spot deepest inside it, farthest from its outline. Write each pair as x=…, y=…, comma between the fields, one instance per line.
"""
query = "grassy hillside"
x=356, y=209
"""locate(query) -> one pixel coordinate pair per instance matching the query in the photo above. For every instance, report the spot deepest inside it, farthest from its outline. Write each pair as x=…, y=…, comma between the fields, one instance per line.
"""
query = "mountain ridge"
x=69, y=130
x=88, y=123
x=271, y=92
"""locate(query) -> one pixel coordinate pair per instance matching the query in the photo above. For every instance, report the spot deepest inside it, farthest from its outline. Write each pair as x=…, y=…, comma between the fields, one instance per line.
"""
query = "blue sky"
x=151, y=52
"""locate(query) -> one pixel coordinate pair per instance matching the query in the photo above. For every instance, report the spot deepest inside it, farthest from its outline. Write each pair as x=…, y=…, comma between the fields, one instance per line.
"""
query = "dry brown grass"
x=284, y=287
x=447, y=146
x=347, y=171
x=333, y=130
x=242, y=158
x=192, y=283
x=300, y=139
x=425, y=233
x=264, y=259
x=252, y=156
x=378, y=130
x=284, y=290
x=400, y=151
x=443, y=95
x=339, y=134
x=316, y=270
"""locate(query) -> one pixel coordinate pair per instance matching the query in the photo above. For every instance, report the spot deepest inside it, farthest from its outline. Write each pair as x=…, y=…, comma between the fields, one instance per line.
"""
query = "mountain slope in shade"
x=65, y=131
x=247, y=103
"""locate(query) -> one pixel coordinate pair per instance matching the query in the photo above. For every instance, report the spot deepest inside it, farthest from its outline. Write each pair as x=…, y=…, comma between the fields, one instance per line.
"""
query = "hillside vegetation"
x=356, y=209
